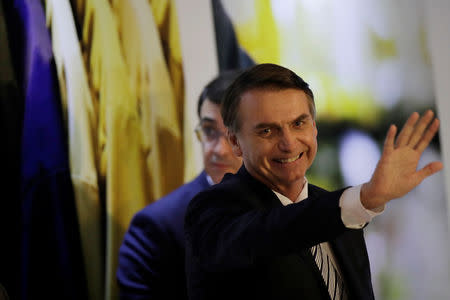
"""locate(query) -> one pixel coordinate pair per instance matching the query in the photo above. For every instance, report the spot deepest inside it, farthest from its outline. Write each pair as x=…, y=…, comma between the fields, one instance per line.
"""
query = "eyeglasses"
x=208, y=134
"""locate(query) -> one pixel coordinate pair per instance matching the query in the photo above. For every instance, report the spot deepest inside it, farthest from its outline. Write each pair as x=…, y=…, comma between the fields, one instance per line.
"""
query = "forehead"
x=272, y=106
x=210, y=113
x=209, y=109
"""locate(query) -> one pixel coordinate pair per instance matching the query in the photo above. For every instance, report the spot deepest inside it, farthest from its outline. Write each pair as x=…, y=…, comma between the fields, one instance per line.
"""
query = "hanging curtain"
x=50, y=236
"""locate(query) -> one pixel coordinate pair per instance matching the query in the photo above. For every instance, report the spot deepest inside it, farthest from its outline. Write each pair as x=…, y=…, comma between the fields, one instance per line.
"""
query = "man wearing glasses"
x=151, y=258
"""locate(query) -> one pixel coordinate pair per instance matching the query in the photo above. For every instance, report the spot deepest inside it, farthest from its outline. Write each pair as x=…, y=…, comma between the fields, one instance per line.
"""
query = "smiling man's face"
x=277, y=137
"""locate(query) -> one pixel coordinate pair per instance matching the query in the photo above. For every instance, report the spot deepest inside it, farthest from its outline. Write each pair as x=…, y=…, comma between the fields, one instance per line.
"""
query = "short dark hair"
x=266, y=77
x=214, y=91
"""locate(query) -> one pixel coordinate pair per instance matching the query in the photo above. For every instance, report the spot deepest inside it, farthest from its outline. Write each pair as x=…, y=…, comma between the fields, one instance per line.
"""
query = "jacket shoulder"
x=175, y=202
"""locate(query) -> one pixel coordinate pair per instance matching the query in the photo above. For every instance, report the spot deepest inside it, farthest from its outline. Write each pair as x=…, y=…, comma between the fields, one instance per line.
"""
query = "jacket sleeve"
x=142, y=258
x=222, y=233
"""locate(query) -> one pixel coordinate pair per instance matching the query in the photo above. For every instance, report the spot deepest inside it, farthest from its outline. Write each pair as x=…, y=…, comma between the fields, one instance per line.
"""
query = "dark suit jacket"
x=151, y=258
x=242, y=243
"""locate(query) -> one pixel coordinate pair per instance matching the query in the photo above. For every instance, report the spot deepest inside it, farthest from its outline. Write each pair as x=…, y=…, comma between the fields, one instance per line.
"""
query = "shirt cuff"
x=353, y=214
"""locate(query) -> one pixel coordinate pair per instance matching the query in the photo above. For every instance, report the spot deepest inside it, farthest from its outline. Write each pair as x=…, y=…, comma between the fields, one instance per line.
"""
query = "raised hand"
x=396, y=173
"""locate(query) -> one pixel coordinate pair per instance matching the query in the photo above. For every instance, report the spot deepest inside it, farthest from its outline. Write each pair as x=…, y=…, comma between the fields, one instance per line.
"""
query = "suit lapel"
x=259, y=195
x=351, y=254
x=297, y=267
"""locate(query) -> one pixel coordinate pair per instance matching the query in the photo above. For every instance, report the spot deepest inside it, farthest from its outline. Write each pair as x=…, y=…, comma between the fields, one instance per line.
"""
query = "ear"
x=232, y=138
x=315, y=129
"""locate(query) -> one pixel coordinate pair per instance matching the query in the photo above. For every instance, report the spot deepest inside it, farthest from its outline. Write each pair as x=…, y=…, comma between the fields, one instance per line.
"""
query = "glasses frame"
x=202, y=137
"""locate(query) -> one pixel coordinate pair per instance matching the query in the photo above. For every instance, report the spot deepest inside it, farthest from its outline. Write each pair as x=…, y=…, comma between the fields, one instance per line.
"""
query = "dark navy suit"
x=242, y=243
x=151, y=258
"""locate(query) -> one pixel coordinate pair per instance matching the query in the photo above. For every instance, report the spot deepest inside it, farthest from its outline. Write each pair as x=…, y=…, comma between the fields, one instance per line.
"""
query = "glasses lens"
x=207, y=133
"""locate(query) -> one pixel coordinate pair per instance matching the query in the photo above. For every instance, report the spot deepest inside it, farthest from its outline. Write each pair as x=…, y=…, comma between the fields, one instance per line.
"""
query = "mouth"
x=221, y=165
x=288, y=160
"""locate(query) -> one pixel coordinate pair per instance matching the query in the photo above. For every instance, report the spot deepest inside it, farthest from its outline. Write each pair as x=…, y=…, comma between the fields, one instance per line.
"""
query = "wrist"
x=370, y=199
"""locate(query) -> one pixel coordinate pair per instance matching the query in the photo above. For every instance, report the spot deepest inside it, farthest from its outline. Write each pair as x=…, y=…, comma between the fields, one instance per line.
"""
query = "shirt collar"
x=303, y=195
x=209, y=179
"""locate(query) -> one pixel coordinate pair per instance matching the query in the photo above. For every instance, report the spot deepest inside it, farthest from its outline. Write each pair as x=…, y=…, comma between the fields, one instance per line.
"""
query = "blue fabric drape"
x=51, y=258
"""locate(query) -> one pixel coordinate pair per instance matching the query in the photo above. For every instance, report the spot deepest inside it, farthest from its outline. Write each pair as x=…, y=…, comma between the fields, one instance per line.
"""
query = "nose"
x=222, y=146
x=287, y=141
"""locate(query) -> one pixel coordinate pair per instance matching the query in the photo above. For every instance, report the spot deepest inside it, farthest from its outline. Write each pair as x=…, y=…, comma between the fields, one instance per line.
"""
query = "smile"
x=289, y=160
x=221, y=165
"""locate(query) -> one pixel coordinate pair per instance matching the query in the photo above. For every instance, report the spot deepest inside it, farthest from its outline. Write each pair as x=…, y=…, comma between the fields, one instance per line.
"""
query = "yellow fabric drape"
x=166, y=19
x=151, y=81
x=123, y=158
x=260, y=35
x=140, y=147
x=81, y=116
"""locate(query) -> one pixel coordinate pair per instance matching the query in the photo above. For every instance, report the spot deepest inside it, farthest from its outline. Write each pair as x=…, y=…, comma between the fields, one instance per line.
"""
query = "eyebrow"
x=207, y=120
x=302, y=117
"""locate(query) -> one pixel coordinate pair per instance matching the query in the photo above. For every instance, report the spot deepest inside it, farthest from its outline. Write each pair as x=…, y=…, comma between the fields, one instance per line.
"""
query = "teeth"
x=288, y=160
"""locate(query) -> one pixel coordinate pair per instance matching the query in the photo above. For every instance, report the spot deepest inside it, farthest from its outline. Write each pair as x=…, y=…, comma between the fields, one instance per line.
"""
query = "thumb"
x=429, y=170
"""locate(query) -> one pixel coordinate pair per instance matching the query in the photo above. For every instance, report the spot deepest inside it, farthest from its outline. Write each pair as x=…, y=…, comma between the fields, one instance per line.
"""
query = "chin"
x=292, y=178
x=217, y=177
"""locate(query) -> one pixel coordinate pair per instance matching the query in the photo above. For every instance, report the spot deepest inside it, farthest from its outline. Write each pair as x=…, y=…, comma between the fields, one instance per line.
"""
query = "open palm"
x=396, y=173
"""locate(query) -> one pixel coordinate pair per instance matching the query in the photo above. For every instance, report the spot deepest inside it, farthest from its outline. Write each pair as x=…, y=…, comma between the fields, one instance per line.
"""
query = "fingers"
x=420, y=128
x=418, y=133
x=430, y=169
x=390, y=137
x=405, y=134
x=428, y=136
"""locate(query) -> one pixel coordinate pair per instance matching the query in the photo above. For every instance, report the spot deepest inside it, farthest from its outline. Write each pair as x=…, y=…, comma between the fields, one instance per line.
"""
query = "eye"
x=209, y=132
x=298, y=123
x=265, y=132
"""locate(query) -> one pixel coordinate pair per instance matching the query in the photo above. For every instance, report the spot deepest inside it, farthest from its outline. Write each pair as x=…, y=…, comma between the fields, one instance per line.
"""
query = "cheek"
x=236, y=151
x=256, y=155
x=312, y=138
x=256, y=150
x=207, y=152
x=238, y=162
x=313, y=148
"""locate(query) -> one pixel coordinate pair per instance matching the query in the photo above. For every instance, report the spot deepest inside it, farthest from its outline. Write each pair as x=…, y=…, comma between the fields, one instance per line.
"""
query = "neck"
x=292, y=192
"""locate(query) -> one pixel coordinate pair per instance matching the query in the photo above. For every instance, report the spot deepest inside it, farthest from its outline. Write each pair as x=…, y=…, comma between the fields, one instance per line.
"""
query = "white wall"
x=437, y=14
x=198, y=47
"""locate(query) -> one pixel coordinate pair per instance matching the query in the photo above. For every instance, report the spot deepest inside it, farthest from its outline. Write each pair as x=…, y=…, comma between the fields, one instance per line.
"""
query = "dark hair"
x=214, y=91
x=262, y=76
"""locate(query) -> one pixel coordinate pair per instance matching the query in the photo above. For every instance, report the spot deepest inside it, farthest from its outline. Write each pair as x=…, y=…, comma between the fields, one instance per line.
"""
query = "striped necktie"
x=331, y=276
